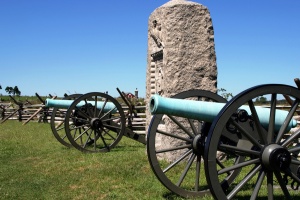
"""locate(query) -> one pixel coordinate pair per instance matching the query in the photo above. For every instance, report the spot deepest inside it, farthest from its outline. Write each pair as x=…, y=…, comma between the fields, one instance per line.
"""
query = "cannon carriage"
x=216, y=147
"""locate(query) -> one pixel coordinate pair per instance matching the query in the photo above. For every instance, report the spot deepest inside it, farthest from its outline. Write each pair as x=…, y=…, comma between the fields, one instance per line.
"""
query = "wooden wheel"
x=95, y=122
x=175, y=148
x=57, y=122
x=271, y=163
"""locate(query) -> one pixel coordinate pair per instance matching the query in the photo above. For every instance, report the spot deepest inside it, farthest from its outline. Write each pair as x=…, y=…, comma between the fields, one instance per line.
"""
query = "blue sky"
x=76, y=46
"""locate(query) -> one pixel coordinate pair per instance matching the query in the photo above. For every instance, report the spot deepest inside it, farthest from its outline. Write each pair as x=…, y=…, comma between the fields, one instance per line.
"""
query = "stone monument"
x=181, y=53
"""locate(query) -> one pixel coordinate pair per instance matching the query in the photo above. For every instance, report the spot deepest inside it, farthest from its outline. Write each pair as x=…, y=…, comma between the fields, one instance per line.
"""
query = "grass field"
x=35, y=166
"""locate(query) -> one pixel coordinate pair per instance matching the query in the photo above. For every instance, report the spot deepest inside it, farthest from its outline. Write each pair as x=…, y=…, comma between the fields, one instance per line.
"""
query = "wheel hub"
x=96, y=123
x=198, y=144
x=276, y=158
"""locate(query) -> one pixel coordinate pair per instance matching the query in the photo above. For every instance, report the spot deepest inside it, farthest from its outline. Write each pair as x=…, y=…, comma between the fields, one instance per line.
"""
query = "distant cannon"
x=203, y=144
x=94, y=122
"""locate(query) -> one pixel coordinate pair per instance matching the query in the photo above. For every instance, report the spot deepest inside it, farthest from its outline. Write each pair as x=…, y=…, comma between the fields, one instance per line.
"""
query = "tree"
x=13, y=90
x=16, y=91
x=225, y=94
x=261, y=100
x=9, y=90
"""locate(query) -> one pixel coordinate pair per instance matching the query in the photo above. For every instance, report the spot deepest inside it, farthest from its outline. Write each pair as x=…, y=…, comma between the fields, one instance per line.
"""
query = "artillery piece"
x=259, y=148
x=253, y=140
x=93, y=122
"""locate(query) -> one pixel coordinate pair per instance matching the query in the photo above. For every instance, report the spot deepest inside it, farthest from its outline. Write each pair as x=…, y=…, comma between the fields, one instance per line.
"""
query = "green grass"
x=33, y=165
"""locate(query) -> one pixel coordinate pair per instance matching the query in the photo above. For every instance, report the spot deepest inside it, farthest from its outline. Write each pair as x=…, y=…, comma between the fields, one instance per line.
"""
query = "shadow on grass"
x=173, y=196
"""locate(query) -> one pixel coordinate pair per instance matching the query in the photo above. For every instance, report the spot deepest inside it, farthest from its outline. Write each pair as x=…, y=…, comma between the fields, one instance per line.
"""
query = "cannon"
x=93, y=122
x=232, y=150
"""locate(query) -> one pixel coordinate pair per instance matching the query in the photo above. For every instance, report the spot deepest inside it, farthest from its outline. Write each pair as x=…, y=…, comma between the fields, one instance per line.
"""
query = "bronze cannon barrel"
x=207, y=111
x=65, y=104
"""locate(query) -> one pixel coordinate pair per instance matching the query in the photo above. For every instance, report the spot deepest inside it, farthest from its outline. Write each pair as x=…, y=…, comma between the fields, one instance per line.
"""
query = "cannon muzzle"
x=65, y=104
x=207, y=111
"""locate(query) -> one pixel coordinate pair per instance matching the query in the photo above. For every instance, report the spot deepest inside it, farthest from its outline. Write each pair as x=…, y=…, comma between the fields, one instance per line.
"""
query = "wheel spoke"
x=178, y=160
x=180, y=126
x=111, y=119
x=95, y=140
x=271, y=127
x=107, y=132
x=109, y=112
x=287, y=121
x=220, y=164
x=282, y=184
x=111, y=126
x=59, y=125
x=174, y=136
x=238, y=150
x=88, y=139
x=295, y=162
x=291, y=138
x=270, y=185
x=188, y=166
x=103, y=140
x=294, y=149
x=257, y=122
x=81, y=134
x=102, y=108
x=195, y=132
x=95, y=107
x=60, y=128
x=198, y=168
x=243, y=182
x=258, y=184
x=83, y=114
x=294, y=176
x=239, y=165
x=174, y=148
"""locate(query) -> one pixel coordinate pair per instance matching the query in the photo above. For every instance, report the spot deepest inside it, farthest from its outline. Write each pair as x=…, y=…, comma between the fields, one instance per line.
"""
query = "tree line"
x=12, y=90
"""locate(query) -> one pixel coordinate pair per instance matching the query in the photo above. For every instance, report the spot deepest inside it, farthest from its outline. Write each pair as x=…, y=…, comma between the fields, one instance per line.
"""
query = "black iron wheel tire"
x=95, y=122
x=271, y=159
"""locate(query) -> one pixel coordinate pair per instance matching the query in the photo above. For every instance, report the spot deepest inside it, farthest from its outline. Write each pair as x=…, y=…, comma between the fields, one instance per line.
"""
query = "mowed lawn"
x=34, y=165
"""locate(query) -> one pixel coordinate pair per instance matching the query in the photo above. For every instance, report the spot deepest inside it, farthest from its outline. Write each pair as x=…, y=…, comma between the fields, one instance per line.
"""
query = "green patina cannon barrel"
x=207, y=111
x=65, y=104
